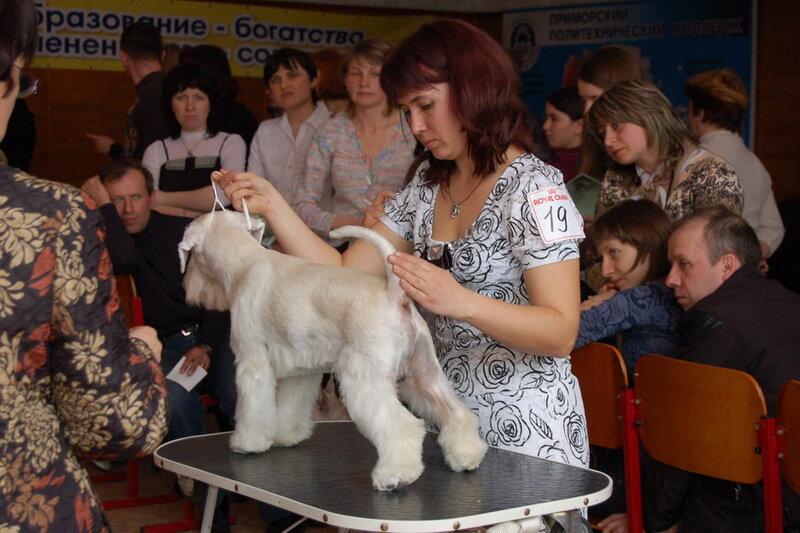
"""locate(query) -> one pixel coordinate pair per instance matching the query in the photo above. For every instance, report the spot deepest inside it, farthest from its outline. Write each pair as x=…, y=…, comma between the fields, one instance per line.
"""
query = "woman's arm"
x=311, y=185
x=547, y=326
x=107, y=388
x=197, y=201
x=234, y=153
x=152, y=160
x=293, y=235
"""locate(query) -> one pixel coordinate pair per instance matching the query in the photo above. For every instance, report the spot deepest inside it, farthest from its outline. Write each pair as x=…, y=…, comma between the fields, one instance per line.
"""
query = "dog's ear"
x=191, y=238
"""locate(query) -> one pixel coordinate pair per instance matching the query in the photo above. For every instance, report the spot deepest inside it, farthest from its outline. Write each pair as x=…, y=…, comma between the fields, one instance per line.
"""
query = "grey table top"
x=327, y=478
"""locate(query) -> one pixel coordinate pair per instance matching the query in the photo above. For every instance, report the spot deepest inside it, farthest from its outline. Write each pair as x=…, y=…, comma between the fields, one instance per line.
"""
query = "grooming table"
x=327, y=478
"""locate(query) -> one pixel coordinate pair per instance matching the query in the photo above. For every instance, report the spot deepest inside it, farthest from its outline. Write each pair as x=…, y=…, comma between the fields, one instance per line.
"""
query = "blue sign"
x=673, y=40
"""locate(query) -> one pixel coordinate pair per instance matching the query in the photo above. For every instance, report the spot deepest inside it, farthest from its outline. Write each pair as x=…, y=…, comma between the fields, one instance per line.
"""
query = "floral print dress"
x=73, y=385
x=525, y=402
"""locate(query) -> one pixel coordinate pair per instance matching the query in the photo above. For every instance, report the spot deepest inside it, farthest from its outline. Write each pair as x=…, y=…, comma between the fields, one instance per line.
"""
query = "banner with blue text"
x=84, y=34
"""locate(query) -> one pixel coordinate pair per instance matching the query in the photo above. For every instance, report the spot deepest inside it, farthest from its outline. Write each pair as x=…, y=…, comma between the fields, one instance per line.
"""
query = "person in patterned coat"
x=74, y=382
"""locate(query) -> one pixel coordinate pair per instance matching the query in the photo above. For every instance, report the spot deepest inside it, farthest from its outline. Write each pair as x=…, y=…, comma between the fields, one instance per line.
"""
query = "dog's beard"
x=203, y=290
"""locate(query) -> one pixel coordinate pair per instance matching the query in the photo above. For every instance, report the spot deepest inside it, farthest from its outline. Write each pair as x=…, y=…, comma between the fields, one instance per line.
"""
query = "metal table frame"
x=327, y=478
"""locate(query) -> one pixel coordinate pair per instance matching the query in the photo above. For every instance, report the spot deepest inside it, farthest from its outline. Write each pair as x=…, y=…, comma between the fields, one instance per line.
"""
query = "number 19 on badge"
x=555, y=215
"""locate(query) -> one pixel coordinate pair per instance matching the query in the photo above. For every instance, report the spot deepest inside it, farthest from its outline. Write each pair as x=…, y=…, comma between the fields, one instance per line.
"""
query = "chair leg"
x=133, y=499
x=630, y=451
x=769, y=439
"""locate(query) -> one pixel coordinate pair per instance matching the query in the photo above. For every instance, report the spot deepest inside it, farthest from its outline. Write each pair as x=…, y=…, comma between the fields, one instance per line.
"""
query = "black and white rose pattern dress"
x=526, y=403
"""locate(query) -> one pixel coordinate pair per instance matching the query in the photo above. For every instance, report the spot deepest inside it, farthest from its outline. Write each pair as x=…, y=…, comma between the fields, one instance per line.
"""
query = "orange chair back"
x=700, y=418
x=789, y=419
x=601, y=373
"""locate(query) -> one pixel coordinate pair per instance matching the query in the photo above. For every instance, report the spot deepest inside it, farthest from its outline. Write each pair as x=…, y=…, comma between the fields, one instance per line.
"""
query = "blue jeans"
x=185, y=410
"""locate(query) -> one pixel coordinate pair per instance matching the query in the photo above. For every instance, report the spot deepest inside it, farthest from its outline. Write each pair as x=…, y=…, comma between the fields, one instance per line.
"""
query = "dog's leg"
x=429, y=394
x=295, y=399
x=370, y=396
x=256, y=414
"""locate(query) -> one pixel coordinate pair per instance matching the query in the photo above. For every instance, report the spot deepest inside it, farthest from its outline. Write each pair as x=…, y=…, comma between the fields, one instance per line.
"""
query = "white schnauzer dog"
x=292, y=320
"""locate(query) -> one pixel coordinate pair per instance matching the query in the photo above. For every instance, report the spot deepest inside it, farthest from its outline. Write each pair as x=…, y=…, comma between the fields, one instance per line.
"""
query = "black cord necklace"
x=456, y=209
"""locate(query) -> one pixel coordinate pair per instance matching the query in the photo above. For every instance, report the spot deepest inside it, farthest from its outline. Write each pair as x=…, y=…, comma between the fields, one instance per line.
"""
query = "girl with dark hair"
x=232, y=115
x=181, y=164
x=487, y=240
x=563, y=128
x=279, y=149
x=631, y=240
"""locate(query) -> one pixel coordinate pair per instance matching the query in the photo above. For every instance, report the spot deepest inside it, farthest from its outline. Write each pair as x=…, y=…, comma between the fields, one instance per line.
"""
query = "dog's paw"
x=392, y=476
x=294, y=435
x=464, y=453
x=242, y=442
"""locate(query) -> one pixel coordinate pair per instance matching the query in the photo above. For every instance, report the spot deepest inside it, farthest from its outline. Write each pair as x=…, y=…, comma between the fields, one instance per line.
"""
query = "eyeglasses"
x=28, y=84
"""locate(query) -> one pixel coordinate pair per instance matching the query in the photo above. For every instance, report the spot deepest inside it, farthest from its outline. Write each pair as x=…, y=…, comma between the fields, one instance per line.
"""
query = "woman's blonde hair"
x=642, y=104
x=374, y=52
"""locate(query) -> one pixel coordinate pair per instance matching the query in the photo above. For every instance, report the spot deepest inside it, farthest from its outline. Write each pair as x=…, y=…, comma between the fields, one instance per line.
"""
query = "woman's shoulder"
x=30, y=190
x=656, y=291
x=230, y=137
x=337, y=122
x=533, y=173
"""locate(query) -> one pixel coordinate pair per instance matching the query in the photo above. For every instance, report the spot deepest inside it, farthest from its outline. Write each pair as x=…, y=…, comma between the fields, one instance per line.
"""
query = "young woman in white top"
x=181, y=164
x=279, y=149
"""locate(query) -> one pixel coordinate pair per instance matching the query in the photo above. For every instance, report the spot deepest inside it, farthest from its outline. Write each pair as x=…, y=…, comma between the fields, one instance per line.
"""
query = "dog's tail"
x=375, y=239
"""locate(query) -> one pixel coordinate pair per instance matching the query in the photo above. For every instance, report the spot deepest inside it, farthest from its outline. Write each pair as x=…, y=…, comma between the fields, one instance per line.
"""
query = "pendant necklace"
x=194, y=146
x=456, y=209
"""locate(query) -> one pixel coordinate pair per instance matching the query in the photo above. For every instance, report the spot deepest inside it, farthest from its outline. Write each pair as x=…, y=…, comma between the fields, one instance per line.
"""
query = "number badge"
x=555, y=215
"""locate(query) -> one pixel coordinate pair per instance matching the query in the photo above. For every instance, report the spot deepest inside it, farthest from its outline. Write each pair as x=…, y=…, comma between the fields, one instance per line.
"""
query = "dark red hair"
x=484, y=89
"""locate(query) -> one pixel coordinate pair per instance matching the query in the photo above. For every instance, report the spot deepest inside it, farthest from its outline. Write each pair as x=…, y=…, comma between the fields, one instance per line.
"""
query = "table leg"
x=208, y=511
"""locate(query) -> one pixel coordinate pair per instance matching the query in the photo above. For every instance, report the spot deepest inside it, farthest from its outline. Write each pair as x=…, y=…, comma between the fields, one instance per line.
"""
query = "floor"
x=154, y=482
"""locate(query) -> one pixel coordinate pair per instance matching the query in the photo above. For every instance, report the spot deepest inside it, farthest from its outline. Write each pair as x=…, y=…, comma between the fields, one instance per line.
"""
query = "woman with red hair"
x=487, y=239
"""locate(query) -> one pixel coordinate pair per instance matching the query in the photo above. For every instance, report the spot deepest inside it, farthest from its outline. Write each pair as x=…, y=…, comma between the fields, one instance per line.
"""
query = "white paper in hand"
x=184, y=380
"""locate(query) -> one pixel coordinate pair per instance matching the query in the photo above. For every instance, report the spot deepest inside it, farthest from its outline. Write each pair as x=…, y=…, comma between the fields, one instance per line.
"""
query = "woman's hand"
x=148, y=335
x=259, y=192
x=375, y=211
x=432, y=287
x=606, y=292
x=615, y=523
x=196, y=357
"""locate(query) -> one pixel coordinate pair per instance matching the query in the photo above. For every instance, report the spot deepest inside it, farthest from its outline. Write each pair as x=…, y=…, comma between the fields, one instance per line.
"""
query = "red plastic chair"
x=711, y=421
x=609, y=405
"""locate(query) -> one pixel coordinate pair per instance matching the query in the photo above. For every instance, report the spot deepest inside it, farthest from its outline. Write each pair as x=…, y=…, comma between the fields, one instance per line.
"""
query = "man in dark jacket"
x=735, y=318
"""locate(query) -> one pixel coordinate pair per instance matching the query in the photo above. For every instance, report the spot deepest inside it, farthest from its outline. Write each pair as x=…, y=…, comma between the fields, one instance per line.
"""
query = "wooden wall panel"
x=777, y=88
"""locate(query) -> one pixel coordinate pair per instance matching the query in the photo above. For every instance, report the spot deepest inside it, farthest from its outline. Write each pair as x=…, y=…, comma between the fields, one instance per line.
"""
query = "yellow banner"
x=84, y=34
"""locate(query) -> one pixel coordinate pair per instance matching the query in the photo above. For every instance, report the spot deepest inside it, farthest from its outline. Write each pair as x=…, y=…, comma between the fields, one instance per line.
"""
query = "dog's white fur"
x=292, y=320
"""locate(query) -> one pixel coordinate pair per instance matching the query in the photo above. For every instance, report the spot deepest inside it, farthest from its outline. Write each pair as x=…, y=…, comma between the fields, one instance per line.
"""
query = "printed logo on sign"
x=556, y=216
